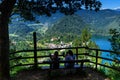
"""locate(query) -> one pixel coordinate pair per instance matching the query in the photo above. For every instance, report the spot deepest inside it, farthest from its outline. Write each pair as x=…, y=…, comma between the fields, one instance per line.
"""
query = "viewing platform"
x=37, y=66
x=61, y=74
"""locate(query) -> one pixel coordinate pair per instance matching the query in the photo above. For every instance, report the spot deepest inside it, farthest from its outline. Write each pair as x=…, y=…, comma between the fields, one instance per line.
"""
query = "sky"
x=110, y=4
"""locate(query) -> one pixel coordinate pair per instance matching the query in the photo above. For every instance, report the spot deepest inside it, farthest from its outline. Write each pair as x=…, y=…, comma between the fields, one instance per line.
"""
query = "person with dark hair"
x=55, y=60
x=69, y=57
x=71, y=53
x=73, y=57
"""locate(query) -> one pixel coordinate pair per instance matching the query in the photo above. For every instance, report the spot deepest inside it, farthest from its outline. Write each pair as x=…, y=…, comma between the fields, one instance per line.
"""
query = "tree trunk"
x=4, y=47
x=5, y=10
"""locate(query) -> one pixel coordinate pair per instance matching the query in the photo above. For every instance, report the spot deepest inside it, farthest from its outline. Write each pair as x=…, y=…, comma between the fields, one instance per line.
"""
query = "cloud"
x=116, y=8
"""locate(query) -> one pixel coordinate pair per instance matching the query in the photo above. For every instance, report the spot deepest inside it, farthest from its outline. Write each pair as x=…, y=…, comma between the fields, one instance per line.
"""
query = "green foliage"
x=115, y=42
x=115, y=39
x=85, y=36
x=114, y=75
x=20, y=29
x=26, y=8
x=77, y=42
x=83, y=39
x=27, y=15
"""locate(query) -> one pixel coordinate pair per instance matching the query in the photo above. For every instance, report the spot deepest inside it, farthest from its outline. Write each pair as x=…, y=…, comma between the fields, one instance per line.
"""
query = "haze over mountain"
x=117, y=9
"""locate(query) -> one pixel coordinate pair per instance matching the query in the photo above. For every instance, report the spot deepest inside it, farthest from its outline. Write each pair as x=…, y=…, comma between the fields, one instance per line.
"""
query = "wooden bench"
x=72, y=61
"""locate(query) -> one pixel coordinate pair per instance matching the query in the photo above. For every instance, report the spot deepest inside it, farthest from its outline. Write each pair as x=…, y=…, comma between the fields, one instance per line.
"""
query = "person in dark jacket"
x=55, y=60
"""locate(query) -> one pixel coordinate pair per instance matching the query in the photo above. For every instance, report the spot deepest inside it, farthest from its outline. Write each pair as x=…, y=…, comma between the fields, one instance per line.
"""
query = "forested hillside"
x=68, y=24
x=99, y=23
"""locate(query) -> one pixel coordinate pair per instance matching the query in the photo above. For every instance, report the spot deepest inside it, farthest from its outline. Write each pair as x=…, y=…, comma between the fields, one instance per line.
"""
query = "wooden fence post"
x=35, y=50
x=96, y=59
x=76, y=55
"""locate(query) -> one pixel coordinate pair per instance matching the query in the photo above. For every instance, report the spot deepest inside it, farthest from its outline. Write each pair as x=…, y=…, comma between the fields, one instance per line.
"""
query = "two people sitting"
x=68, y=57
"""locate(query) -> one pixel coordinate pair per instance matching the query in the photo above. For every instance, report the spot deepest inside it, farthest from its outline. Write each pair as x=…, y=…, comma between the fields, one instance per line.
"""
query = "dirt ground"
x=61, y=74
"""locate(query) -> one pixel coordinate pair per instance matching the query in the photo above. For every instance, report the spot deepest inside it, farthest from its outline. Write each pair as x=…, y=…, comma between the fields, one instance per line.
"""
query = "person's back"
x=68, y=57
x=55, y=60
x=73, y=57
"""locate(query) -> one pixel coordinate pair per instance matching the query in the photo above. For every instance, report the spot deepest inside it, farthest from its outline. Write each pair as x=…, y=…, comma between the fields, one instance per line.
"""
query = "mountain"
x=67, y=24
x=115, y=23
x=117, y=9
x=20, y=29
x=98, y=19
x=100, y=22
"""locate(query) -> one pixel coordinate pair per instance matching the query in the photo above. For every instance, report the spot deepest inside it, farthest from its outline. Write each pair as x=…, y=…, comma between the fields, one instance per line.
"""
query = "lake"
x=103, y=43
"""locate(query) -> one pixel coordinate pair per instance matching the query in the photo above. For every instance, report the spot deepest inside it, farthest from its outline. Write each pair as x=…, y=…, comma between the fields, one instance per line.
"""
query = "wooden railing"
x=88, y=54
x=96, y=56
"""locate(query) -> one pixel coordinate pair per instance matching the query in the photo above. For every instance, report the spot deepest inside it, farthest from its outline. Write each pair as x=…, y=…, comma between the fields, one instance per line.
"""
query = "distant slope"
x=20, y=29
x=114, y=24
x=68, y=24
x=99, y=19
x=100, y=22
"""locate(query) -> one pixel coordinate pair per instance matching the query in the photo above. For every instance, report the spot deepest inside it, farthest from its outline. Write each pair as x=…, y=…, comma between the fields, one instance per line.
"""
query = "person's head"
x=56, y=53
x=70, y=52
x=67, y=53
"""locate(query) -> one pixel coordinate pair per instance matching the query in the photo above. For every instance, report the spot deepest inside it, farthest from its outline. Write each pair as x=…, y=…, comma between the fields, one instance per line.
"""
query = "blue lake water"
x=103, y=43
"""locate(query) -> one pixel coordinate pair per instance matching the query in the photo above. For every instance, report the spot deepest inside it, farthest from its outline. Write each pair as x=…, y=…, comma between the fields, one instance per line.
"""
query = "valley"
x=64, y=28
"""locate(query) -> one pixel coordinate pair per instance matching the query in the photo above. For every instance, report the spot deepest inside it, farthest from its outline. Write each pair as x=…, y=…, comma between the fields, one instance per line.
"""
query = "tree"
x=115, y=42
x=115, y=39
x=5, y=11
x=85, y=37
x=68, y=7
x=26, y=7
